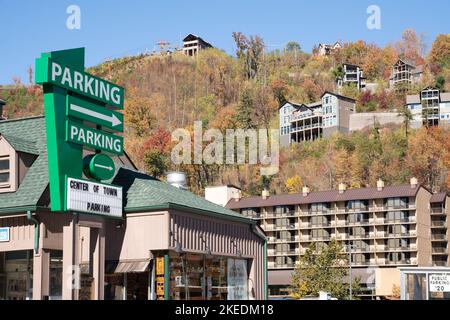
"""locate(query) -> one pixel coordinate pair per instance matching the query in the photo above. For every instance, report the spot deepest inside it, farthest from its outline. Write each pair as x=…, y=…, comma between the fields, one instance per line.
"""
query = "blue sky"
x=118, y=28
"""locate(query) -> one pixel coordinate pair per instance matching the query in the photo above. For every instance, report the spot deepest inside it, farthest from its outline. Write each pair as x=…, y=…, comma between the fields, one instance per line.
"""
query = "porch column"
x=71, y=275
x=41, y=271
x=98, y=266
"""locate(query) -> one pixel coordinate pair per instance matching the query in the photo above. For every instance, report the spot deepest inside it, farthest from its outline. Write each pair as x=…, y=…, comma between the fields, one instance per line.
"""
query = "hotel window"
x=319, y=207
x=280, y=210
x=4, y=171
x=396, y=216
x=397, y=229
x=357, y=205
x=251, y=212
x=397, y=202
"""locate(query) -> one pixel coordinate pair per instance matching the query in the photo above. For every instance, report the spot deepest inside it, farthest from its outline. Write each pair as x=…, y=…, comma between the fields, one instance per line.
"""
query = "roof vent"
x=380, y=185
x=414, y=182
x=342, y=187
x=305, y=191
x=177, y=179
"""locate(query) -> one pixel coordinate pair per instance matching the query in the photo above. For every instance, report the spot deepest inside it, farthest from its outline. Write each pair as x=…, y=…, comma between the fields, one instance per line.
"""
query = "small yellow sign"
x=160, y=266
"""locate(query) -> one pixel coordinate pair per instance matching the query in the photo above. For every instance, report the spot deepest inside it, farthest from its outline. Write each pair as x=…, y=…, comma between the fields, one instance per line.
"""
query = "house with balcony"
x=352, y=75
x=328, y=49
x=405, y=73
x=430, y=107
x=385, y=226
x=315, y=120
x=192, y=44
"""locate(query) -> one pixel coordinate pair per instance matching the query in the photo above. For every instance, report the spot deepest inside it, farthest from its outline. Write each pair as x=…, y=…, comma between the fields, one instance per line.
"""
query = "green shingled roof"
x=22, y=145
x=144, y=193
x=27, y=135
x=141, y=192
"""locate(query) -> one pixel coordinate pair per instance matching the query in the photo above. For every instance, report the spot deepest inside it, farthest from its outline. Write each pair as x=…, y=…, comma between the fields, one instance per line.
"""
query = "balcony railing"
x=440, y=224
x=439, y=250
x=438, y=237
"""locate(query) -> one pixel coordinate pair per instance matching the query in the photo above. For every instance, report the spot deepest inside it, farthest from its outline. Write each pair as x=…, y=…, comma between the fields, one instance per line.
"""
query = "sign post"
x=79, y=115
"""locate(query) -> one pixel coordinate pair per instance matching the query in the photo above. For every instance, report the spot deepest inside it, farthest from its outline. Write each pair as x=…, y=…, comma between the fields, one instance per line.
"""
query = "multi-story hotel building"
x=302, y=122
x=386, y=227
x=430, y=107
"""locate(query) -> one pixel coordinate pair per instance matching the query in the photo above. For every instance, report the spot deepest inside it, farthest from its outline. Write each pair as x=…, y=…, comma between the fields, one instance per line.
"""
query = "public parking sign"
x=439, y=282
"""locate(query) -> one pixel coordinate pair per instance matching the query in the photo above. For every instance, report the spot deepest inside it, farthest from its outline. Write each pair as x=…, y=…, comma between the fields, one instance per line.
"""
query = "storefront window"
x=195, y=277
x=114, y=286
x=16, y=275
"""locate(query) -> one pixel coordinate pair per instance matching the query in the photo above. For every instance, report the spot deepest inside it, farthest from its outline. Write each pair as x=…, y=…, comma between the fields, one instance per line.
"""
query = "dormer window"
x=4, y=172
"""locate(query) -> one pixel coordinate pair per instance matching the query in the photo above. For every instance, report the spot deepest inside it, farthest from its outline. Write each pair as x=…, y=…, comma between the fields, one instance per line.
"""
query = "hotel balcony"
x=274, y=265
x=438, y=237
x=439, y=251
x=272, y=240
x=272, y=227
x=288, y=214
x=437, y=211
x=438, y=224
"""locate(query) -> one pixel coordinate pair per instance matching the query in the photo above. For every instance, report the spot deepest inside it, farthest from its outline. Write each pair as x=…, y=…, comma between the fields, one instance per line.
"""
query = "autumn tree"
x=407, y=116
x=411, y=47
x=294, y=184
x=439, y=55
x=249, y=51
x=323, y=268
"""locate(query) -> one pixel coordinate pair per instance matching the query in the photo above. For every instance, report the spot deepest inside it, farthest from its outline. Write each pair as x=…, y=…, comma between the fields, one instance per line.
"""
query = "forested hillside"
x=165, y=92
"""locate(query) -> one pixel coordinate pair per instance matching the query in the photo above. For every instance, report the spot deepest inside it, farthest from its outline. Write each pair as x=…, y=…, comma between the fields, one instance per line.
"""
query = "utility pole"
x=350, y=247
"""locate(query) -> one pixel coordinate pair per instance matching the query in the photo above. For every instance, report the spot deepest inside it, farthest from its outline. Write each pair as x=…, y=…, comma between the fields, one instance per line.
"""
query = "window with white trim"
x=4, y=171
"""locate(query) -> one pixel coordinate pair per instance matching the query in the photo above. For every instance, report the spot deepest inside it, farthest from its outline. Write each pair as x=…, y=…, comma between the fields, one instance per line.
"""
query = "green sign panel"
x=82, y=109
x=93, y=138
x=72, y=97
x=99, y=166
x=75, y=80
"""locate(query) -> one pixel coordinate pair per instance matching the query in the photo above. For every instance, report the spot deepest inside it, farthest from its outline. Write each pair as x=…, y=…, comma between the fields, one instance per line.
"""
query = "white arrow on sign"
x=103, y=167
x=113, y=119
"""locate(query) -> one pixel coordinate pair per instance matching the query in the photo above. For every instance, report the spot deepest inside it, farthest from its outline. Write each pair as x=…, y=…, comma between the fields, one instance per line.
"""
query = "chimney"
x=380, y=185
x=305, y=191
x=414, y=182
x=236, y=195
x=342, y=187
x=221, y=195
x=265, y=194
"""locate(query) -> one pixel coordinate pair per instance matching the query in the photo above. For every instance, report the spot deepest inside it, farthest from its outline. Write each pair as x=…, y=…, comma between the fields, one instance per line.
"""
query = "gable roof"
x=338, y=96
x=21, y=145
x=191, y=37
x=325, y=196
x=438, y=197
x=32, y=140
x=293, y=104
